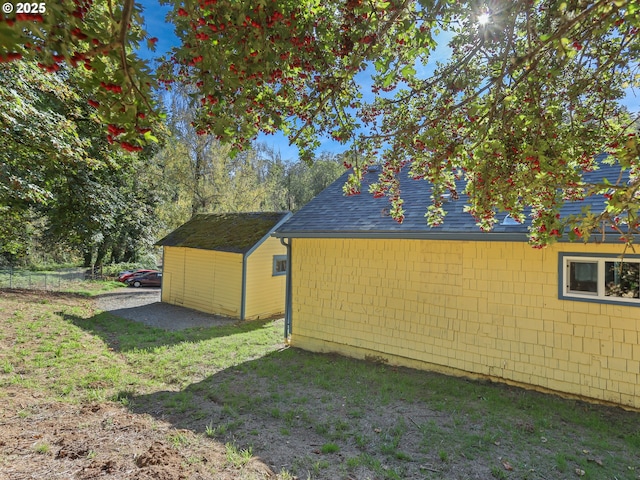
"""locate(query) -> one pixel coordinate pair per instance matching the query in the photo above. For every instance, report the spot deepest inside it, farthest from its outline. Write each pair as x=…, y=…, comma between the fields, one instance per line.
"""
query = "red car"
x=149, y=279
x=127, y=275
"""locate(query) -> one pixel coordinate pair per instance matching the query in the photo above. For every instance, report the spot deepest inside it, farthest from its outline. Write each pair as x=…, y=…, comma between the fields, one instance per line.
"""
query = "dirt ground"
x=41, y=439
x=45, y=441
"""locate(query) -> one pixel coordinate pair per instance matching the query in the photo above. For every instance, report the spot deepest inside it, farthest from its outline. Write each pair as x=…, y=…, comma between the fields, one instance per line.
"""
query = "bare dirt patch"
x=45, y=440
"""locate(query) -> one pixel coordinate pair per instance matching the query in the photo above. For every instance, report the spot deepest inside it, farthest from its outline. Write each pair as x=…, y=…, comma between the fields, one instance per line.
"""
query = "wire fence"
x=53, y=280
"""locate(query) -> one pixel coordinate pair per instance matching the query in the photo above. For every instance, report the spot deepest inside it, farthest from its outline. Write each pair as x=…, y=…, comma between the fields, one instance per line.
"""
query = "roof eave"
x=286, y=216
x=460, y=236
x=477, y=236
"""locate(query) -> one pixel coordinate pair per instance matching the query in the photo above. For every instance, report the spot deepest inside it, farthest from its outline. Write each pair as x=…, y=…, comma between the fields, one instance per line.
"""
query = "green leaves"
x=38, y=133
x=96, y=40
x=57, y=172
x=408, y=71
x=517, y=107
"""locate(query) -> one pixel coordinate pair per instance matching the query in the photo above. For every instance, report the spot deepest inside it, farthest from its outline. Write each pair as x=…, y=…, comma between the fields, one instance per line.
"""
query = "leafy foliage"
x=67, y=192
x=198, y=174
x=60, y=179
x=109, y=211
x=526, y=102
x=97, y=38
x=39, y=134
x=528, y=98
x=255, y=180
x=304, y=181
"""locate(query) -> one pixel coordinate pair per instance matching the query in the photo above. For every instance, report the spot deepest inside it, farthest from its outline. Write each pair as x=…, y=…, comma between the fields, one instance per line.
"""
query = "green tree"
x=193, y=162
x=304, y=181
x=59, y=174
x=104, y=209
x=98, y=38
x=530, y=95
x=106, y=214
x=38, y=130
x=39, y=137
x=199, y=174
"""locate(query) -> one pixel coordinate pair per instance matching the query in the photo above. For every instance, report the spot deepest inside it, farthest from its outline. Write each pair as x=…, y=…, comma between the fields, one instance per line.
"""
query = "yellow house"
x=452, y=299
x=227, y=264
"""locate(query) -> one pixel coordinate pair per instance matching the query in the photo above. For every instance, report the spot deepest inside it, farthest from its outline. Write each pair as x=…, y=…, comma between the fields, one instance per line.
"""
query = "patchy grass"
x=50, y=281
x=90, y=288
x=307, y=415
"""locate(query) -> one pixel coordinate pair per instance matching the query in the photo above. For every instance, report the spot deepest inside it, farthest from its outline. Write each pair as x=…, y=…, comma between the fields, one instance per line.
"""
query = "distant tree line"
x=67, y=195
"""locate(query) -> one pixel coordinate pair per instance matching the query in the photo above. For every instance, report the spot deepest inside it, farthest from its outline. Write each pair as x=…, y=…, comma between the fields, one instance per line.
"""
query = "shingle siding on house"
x=487, y=309
x=455, y=299
x=204, y=280
x=265, y=292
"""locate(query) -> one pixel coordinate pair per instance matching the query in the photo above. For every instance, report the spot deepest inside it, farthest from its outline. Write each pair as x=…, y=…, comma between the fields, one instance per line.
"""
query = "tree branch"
x=355, y=62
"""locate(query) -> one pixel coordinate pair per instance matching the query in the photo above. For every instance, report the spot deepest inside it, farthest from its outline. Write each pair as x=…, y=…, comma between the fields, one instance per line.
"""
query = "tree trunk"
x=87, y=255
x=103, y=248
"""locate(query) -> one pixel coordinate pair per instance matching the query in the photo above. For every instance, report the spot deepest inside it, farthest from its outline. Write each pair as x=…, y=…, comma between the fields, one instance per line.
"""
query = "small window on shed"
x=279, y=265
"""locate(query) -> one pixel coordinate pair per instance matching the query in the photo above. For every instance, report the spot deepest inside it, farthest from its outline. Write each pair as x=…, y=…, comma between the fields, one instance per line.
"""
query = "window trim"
x=599, y=297
x=276, y=259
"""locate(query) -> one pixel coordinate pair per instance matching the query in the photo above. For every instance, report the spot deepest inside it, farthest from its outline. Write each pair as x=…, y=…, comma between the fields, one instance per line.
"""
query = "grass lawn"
x=238, y=391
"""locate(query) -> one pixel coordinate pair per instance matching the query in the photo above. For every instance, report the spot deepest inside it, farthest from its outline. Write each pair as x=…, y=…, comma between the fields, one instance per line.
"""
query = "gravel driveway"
x=143, y=305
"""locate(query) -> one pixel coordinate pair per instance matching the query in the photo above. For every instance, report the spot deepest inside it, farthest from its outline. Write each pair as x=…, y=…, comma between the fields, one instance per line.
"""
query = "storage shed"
x=460, y=301
x=227, y=264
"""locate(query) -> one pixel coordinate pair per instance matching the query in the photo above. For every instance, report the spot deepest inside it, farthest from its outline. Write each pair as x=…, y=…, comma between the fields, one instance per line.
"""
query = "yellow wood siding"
x=204, y=280
x=173, y=275
x=265, y=293
x=488, y=309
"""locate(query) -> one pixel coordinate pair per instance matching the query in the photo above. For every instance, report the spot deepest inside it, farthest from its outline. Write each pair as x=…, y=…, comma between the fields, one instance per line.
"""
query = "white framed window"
x=279, y=265
x=600, y=278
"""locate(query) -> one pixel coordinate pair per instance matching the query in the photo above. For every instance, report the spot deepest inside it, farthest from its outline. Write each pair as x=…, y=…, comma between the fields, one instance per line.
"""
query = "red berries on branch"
x=111, y=87
x=129, y=147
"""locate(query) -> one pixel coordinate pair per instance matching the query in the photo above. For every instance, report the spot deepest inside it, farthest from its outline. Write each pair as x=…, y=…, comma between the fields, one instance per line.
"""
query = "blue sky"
x=155, y=24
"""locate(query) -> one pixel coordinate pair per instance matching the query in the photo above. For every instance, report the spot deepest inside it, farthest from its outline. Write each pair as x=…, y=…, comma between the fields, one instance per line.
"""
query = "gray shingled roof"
x=331, y=214
x=226, y=232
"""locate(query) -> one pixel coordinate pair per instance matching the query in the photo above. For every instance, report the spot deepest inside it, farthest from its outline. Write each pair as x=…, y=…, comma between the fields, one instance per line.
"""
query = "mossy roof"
x=226, y=232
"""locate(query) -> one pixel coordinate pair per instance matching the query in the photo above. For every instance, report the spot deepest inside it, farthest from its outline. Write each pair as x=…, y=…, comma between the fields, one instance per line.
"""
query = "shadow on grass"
x=124, y=335
x=390, y=423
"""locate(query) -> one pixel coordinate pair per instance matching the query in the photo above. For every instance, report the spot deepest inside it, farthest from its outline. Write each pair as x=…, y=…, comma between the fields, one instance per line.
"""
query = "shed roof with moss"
x=225, y=232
